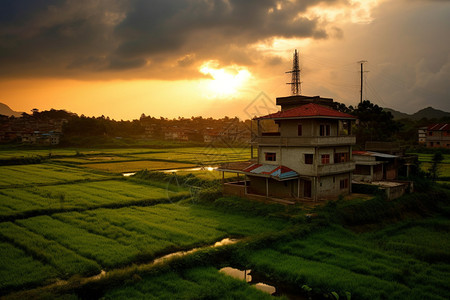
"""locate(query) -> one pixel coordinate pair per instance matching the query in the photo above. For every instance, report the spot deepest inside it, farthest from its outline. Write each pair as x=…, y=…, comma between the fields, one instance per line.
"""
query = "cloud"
x=141, y=38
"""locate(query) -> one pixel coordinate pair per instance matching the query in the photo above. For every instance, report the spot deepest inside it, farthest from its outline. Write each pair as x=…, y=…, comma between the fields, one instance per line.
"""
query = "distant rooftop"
x=307, y=111
x=298, y=100
x=439, y=127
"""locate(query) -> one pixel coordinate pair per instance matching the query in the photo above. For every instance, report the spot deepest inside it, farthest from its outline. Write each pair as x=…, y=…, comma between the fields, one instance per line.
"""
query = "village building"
x=308, y=157
x=375, y=166
x=422, y=135
x=438, y=136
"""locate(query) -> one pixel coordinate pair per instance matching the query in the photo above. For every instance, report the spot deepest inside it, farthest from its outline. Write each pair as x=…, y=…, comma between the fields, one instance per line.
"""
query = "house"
x=308, y=157
x=375, y=166
x=422, y=135
x=438, y=136
x=175, y=134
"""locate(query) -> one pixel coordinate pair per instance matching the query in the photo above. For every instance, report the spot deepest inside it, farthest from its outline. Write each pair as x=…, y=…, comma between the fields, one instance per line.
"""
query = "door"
x=307, y=188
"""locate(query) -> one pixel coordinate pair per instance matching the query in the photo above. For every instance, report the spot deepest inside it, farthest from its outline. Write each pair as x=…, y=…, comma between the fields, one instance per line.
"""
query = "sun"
x=225, y=81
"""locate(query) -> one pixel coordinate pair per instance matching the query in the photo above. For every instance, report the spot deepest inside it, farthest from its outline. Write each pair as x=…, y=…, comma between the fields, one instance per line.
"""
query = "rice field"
x=426, y=160
x=444, y=169
x=82, y=195
x=38, y=174
x=134, y=166
x=396, y=263
x=197, y=283
x=85, y=242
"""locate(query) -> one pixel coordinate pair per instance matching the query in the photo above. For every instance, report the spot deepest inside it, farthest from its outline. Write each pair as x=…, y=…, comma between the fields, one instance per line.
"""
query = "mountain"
x=7, y=111
x=429, y=113
x=397, y=114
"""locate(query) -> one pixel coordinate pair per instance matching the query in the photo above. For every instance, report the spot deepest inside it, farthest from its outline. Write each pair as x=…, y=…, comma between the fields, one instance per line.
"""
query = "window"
x=325, y=130
x=299, y=130
x=270, y=156
x=309, y=158
x=341, y=157
x=343, y=183
x=325, y=159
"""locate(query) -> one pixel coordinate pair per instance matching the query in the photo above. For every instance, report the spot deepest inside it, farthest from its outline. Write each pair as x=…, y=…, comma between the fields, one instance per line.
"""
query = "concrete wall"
x=277, y=189
x=294, y=158
x=234, y=189
x=329, y=186
x=262, y=156
x=310, y=127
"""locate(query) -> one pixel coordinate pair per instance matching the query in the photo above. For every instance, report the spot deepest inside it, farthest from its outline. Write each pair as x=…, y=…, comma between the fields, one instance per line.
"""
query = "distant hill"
x=429, y=113
x=7, y=111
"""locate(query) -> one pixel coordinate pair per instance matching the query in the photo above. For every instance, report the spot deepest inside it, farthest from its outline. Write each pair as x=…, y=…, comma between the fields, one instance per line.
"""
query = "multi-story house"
x=309, y=156
x=422, y=135
x=438, y=136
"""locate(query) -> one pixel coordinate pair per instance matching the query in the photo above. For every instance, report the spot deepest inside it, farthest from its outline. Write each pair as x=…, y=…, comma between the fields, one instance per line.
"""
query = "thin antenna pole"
x=362, y=81
x=295, y=81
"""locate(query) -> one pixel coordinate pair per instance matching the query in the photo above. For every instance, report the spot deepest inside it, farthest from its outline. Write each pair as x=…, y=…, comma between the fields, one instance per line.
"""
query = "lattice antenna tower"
x=295, y=83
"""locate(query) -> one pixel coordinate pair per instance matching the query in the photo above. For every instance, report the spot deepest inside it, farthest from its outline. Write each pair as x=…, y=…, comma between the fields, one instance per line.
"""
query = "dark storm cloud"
x=122, y=38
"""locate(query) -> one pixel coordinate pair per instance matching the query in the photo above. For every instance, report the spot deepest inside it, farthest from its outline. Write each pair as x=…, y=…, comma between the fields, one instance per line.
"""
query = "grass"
x=444, y=169
x=425, y=157
x=82, y=242
x=17, y=269
x=335, y=259
x=133, y=166
x=79, y=196
x=197, y=283
x=62, y=259
x=12, y=176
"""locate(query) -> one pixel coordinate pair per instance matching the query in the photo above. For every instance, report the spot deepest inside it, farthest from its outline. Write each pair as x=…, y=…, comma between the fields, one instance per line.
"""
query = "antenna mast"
x=295, y=83
x=362, y=77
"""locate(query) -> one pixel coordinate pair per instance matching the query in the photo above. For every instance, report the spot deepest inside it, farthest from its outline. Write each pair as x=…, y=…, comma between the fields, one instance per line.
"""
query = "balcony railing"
x=305, y=141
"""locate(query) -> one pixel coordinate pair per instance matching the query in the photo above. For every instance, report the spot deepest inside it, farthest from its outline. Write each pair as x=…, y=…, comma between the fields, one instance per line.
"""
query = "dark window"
x=343, y=184
x=341, y=157
x=270, y=156
x=309, y=159
x=325, y=130
x=299, y=130
x=325, y=159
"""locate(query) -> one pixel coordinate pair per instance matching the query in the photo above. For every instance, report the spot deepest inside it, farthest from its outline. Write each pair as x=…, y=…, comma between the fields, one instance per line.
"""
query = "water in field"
x=258, y=281
x=207, y=168
x=226, y=241
x=128, y=174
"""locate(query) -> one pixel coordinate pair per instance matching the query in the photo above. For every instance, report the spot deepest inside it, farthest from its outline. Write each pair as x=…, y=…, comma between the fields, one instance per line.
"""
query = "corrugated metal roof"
x=439, y=127
x=308, y=111
x=376, y=154
x=279, y=172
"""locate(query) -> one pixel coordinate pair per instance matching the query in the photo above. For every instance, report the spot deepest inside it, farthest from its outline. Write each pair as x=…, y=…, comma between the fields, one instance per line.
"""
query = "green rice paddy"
x=73, y=216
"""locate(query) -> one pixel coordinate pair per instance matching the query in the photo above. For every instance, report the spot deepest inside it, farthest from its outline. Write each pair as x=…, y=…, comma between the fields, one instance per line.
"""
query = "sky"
x=172, y=58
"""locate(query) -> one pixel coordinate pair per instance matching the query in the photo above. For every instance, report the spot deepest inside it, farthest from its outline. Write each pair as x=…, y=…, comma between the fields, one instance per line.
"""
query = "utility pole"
x=362, y=77
x=295, y=81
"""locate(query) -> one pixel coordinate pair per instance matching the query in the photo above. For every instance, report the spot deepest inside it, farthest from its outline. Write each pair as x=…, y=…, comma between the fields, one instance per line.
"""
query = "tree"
x=375, y=124
x=434, y=169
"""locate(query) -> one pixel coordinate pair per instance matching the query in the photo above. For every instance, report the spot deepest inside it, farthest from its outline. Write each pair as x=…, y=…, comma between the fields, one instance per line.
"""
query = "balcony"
x=305, y=141
x=330, y=169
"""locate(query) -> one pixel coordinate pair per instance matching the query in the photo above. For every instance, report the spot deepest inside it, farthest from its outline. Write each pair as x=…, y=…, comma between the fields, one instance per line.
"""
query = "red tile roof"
x=439, y=127
x=308, y=111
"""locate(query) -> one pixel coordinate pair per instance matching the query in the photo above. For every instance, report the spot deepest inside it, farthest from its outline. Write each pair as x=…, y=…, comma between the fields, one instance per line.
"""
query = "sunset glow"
x=225, y=82
x=122, y=58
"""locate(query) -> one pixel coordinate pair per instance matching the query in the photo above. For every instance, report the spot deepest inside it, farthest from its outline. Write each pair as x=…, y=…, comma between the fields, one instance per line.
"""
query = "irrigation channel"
x=262, y=283
x=204, y=168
